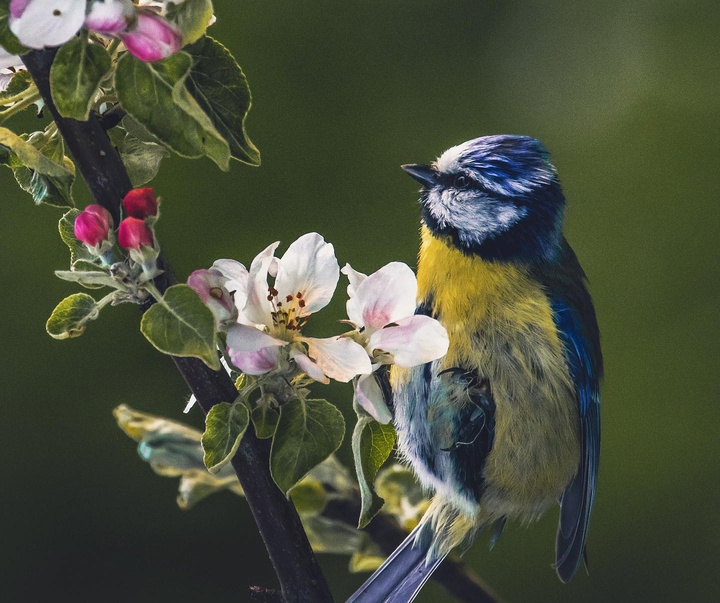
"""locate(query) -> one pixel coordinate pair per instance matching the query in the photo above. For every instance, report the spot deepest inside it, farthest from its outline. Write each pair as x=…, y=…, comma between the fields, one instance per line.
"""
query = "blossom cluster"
x=265, y=309
x=45, y=23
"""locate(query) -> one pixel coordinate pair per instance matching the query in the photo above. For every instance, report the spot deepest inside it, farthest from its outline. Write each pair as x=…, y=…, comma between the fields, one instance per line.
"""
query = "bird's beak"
x=424, y=174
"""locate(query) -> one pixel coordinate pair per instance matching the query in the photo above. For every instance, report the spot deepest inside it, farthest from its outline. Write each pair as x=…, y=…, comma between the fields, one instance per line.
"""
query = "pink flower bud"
x=140, y=203
x=17, y=8
x=153, y=38
x=210, y=286
x=134, y=234
x=109, y=17
x=93, y=225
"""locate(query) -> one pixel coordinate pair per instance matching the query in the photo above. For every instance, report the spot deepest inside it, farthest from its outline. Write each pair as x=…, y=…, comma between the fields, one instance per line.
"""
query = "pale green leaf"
x=403, y=494
x=88, y=278
x=219, y=85
x=182, y=325
x=155, y=95
x=197, y=485
x=39, y=165
x=332, y=536
x=367, y=558
x=70, y=316
x=75, y=75
x=225, y=426
x=141, y=159
x=308, y=496
x=307, y=433
x=19, y=83
x=191, y=17
x=372, y=443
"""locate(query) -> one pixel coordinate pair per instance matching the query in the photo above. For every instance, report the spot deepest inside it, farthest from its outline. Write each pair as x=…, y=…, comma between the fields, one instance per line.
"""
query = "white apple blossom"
x=272, y=317
x=382, y=309
x=41, y=23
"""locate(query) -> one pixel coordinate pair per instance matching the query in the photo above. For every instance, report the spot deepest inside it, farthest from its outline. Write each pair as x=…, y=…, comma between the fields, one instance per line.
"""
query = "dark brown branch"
x=455, y=576
x=296, y=566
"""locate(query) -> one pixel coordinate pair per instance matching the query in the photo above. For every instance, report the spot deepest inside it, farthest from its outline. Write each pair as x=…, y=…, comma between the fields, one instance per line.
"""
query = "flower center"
x=287, y=312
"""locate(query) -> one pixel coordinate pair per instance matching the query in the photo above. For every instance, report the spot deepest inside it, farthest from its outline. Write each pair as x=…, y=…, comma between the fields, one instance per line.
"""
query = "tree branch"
x=455, y=576
x=295, y=564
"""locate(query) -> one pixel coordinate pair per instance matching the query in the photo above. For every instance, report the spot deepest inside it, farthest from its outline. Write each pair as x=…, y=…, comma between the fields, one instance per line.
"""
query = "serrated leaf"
x=191, y=17
x=332, y=536
x=70, y=316
x=219, y=85
x=172, y=114
x=308, y=496
x=8, y=40
x=141, y=159
x=372, y=443
x=307, y=433
x=225, y=426
x=87, y=278
x=39, y=165
x=182, y=325
x=75, y=75
x=265, y=420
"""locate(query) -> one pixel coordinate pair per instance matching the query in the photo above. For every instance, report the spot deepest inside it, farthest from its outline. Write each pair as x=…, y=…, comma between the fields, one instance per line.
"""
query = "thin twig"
x=295, y=564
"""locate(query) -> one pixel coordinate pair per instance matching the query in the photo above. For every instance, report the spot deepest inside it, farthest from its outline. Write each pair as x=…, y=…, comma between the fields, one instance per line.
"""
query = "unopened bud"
x=153, y=38
x=140, y=203
x=109, y=17
x=134, y=234
x=93, y=225
x=210, y=286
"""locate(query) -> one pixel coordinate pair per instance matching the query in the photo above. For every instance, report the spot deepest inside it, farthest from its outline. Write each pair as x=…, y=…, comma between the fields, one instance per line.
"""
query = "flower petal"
x=257, y=308
x=309, y=366
x=383, y=297
x=210, y=286
x=255, y=363
x=415, y=340
x=237, y=284
x=309, y=267
x=339, y=357
x=47, y=22
x=369, y=395
x=353, y=305
x=242, y=338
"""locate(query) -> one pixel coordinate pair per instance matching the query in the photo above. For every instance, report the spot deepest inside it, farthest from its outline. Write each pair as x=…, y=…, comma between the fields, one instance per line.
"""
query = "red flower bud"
x=134, y=234
x=140, y=203
x=93, y=225
x=152, y=38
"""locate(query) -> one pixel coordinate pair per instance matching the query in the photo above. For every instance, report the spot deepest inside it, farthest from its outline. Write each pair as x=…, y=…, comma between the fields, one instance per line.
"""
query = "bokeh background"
x=624, y=94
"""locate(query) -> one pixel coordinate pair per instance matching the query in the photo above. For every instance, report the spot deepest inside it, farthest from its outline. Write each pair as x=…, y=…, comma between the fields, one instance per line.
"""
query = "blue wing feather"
x=577, y=327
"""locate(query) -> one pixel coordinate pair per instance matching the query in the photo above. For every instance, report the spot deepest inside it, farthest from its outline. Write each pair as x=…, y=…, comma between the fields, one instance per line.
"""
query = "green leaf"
x=225, y=426
x=332, y=536
x=309, y=497
x=265, y=420
x=197, y=485
x=219, y=85
x=372, y=443
x=180, y=324
x=75, y=75
x=88, y=278
x=191, y=17
x=70, y=316
x=39, y=164
x=8, y=40
x=307, y=433
x=155, y=95
x=404, y=497
x=142, y=159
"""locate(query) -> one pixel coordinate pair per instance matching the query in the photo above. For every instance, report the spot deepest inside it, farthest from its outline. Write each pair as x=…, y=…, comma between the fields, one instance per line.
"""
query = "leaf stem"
x=19, y=106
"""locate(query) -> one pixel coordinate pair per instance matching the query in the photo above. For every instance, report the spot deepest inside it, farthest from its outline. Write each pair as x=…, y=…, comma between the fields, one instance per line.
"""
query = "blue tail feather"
x=403, y=574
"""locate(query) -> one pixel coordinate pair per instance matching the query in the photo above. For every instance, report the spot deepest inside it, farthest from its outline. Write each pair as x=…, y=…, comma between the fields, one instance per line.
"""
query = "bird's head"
x=496, y=196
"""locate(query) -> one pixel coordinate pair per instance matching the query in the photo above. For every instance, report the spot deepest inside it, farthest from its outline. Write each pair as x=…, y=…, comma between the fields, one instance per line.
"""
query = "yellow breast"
x=501, y=325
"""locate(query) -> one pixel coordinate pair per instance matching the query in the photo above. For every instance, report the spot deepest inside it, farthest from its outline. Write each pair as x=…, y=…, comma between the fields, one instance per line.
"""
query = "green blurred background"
x=624, y=94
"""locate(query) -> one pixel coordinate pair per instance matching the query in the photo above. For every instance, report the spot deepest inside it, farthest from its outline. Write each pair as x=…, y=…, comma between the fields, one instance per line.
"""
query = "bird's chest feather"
x=502, y=332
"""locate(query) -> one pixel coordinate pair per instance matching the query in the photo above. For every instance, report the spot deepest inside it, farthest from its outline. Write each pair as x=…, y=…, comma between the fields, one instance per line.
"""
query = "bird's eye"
x=461, y=181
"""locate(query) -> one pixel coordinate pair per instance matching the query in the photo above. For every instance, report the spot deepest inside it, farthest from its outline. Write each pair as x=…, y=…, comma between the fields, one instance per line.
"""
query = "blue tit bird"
x=507, y=423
